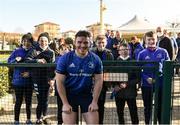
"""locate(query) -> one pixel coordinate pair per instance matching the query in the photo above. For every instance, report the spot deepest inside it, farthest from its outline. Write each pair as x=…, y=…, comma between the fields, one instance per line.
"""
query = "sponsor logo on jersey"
x=147, y=58
x=72, y=65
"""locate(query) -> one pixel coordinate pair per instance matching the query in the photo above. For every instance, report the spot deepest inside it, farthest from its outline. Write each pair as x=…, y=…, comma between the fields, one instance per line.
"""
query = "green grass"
x=3, y=58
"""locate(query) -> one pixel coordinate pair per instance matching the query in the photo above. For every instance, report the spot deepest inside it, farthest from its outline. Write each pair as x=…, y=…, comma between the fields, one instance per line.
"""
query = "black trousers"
x=59, y=105
x=20, y=92
x=101, y=102
x=147, y=95
x=120, y=104
x=42, y=92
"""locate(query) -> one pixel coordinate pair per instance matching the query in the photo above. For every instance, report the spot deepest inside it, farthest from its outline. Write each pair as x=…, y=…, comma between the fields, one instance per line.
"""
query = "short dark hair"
x=178, y=33
x=44, y=34
x=27, y=37
x=149, y=34
x=124, y=44
x=83, y=33
x=134, y=38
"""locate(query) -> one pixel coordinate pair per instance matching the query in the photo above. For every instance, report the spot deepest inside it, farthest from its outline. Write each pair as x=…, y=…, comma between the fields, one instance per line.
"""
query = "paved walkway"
x=6, y=113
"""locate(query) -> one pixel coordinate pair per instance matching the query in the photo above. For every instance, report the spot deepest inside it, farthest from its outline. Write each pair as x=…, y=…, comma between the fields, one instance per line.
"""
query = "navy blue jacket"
x=135, y=49
x=104, y=55
x=131, y=90
x=41, y=75
x=18, y=79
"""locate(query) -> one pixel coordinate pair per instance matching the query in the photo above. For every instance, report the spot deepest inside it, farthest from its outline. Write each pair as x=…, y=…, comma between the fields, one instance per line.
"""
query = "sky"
x=22, y=15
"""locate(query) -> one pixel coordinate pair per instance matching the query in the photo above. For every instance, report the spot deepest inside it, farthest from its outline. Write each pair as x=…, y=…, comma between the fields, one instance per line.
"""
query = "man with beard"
x=104, y=54
x=79, y=77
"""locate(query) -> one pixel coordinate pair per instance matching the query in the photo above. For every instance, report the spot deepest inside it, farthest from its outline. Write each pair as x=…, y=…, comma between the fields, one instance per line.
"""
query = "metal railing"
x=112, y=73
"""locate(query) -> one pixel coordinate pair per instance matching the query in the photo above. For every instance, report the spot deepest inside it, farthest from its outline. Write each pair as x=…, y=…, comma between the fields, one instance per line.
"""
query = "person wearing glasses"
x=126, y=91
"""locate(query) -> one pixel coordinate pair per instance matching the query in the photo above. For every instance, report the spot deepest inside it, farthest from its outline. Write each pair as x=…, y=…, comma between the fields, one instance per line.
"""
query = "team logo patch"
x=159, y=55
x=91, y=65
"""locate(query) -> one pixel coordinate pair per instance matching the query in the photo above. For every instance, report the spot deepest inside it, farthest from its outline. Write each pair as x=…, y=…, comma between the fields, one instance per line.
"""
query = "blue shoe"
x=28, y=122
x=16, y=123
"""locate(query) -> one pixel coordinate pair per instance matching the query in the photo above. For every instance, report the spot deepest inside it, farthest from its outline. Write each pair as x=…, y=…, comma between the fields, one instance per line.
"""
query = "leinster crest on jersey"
x=91, y=65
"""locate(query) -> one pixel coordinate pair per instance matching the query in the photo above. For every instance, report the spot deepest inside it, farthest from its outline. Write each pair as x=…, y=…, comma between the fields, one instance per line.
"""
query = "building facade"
x=69, y=33
x=52, y=28
x=9, y=41
x=95, y=29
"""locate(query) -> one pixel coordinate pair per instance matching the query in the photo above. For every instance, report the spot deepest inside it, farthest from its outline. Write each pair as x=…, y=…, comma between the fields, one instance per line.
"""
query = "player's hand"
x=93, y=107
x=150, y=80
x=18, y=58
x=42, y=61
x=123, y=85
x=51, y=83
x=66, y=108
x=117, y=88
x=115, y=46
x=25, y=74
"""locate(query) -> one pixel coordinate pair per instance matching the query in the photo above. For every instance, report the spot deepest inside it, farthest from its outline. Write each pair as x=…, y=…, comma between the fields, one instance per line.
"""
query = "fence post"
x=166, y=92
x=155, y=96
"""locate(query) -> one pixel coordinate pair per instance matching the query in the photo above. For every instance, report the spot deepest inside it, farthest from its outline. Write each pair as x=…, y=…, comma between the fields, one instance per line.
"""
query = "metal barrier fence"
x=114, y=71
x=171, y=91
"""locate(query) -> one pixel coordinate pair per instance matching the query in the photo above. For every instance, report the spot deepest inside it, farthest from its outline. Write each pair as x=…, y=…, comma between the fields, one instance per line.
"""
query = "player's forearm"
x=97, y=89
x=61, y=91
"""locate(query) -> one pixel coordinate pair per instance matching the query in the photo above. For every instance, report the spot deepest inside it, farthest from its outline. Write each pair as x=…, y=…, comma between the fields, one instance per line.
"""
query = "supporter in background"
x=22, y=82
x=156, y=54
x=42, y=76
x=126, y=91
x=164, y=42
x=104, y=54
x=135, y=47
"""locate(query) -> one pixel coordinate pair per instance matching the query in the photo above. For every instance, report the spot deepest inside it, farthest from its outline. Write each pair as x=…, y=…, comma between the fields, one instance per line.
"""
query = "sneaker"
x=28, y=122
x=16, y=123
x=38, y=122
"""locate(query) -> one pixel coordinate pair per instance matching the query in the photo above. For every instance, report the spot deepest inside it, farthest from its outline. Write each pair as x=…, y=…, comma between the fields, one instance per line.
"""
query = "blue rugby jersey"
x=79, y=72
x=159, y=55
